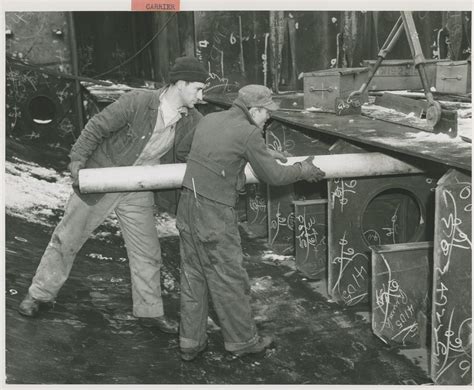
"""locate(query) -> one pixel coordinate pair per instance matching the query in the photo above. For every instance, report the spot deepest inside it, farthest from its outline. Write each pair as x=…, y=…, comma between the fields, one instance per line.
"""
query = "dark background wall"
x=47, y=51
x=239, y=46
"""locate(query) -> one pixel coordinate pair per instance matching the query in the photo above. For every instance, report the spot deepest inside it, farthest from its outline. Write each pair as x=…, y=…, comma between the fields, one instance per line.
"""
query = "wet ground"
x=90, y=336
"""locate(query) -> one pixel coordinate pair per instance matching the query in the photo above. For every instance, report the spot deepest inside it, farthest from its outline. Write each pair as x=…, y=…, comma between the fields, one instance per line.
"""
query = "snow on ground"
x=273, y=258
x=33, y=192
x=38, y=194
x=464, y=111
x=383, y=113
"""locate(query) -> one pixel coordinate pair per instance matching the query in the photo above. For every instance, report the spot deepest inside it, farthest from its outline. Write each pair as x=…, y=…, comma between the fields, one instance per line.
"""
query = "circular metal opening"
x=42, y=110
x=393, y=216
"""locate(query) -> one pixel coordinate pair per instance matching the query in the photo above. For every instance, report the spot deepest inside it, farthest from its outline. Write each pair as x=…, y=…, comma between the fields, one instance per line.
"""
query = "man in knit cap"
x=140, y=128
x=211, y=258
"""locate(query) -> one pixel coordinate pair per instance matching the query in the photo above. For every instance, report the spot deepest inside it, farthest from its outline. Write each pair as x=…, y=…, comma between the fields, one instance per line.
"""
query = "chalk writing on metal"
x=343, y=187
x=451, y=338
x=358, y=274
x=373, y=236
x=398, y=313
x=265, y=60
x=453, y=347
x=393, y=230
x=258, y=205
x=287, y=144
x=281, y=221
x=430, y=181
x=465, y=194
x=307, y=236
x=18, y=84
x=454, y=236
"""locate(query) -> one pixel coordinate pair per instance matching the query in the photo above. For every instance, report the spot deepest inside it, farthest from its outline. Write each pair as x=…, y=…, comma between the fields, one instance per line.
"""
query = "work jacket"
x=223, y=144
x=117, y=135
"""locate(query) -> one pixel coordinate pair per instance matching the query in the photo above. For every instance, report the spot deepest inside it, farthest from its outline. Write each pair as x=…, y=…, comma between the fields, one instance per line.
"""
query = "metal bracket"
x=328, y=89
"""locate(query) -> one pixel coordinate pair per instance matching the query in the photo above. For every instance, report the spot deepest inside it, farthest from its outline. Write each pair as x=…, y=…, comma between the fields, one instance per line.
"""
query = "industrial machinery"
x=442, y=121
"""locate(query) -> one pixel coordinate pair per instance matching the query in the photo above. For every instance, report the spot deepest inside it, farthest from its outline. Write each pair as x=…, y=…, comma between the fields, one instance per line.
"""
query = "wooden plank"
x=401, y=104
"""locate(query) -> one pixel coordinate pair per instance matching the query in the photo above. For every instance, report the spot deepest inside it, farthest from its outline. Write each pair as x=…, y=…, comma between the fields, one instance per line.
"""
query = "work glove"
x=278, y=155
x=74, y=167
x=310, y=172
x=240, y=185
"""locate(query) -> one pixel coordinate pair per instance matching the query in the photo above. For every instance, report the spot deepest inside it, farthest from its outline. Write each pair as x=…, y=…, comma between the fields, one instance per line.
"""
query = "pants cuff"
x=40, y=295
x=233, y=347
x=186, y=344
x=155, y=310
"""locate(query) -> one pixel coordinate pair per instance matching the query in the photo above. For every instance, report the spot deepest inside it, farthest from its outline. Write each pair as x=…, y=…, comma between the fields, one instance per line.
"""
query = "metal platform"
x=391, y=137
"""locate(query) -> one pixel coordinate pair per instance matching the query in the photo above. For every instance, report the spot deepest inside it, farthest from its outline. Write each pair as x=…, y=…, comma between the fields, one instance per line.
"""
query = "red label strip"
x=156, y=5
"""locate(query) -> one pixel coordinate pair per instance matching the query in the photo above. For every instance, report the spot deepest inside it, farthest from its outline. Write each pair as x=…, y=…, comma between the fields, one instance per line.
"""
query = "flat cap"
x=254, y=95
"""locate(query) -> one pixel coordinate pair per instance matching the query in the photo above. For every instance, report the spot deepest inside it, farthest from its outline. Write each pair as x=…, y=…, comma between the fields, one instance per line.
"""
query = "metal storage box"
x=323, y=88
x=453, y=77
x=400, y=75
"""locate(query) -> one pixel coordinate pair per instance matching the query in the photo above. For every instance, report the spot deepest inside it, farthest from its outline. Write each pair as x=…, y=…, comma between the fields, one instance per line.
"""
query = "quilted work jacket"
x=223, y=144
x=117, y=135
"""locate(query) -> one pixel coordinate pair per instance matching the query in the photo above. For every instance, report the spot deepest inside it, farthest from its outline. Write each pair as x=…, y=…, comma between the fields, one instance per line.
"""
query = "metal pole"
x=75, y=70
x=168, y=176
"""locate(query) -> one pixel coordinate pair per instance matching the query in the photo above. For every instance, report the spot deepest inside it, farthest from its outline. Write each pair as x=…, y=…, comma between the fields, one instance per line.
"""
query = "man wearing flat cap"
x=140, y=128
x=211, y=253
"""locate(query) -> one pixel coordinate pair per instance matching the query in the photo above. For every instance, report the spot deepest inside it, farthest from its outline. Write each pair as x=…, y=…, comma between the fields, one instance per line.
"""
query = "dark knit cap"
x=188, y=69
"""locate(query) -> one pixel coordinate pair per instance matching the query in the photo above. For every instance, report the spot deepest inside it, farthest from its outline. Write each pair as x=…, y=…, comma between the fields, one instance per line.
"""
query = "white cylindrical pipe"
x=169, y=176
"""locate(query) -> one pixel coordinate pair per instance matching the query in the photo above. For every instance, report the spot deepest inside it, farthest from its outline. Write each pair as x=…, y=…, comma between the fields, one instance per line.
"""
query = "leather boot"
x=30, y=306
x=262, y=344
x=166, y=325
x=190, y=354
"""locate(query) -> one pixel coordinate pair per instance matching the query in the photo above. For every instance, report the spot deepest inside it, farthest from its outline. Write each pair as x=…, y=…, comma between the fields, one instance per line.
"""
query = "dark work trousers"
x=211, y=266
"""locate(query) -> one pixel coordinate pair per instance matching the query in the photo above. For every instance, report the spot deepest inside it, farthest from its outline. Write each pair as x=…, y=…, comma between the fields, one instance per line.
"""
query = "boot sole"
x=149, y=325
x=189, y=358
x=245, y=353
x=28, y=314
x=42, y=306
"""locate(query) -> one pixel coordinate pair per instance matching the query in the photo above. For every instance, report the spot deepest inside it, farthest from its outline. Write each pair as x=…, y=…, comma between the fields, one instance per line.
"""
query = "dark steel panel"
x=257, y=218
x=451, y=353
x=349, y=254
x=40, y=107
x=280, y=209
x=401, y=293
x=311, y=237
